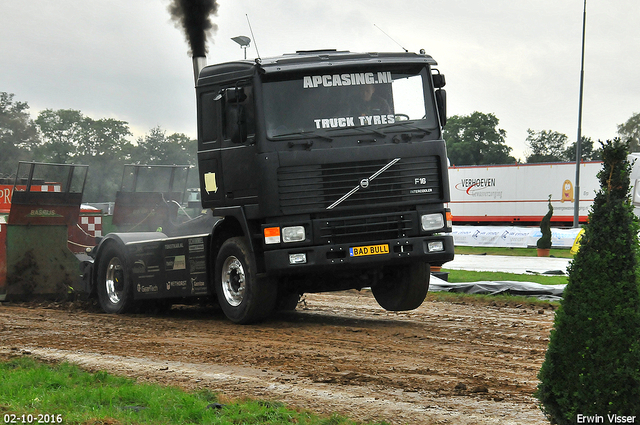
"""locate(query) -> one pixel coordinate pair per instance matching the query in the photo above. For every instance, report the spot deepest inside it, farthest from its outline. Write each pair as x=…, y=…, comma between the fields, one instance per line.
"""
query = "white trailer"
x=518, y=193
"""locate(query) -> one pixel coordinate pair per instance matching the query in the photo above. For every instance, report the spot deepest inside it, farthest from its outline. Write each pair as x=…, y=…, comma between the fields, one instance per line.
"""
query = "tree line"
x=476, y=139
x=67, y=136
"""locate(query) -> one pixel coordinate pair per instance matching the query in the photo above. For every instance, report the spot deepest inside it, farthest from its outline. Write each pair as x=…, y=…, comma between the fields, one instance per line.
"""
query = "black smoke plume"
x=194, y=17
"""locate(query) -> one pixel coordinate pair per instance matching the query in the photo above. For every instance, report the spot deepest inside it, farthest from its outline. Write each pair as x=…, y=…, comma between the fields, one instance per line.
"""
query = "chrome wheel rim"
x=114, y=280
x=233, y=281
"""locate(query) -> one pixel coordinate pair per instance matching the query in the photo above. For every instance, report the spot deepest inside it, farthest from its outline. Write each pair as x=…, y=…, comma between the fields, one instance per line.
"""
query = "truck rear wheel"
x=403, y=287
x=115, y=294
x=244, y=296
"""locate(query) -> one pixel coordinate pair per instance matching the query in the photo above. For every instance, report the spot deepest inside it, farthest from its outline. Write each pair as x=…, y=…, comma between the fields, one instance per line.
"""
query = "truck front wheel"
x=244, y=296
x=403, y=287
x=114, y=289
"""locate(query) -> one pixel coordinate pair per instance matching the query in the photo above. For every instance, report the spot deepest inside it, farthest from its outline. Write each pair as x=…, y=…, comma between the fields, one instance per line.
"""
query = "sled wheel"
x=403, y=287
x=244, y=296
x=114, y=287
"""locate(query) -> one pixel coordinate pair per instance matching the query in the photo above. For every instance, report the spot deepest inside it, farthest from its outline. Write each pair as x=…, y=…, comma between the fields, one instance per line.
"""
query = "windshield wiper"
x=305, y=135
x=407, y=124
x=360, y=129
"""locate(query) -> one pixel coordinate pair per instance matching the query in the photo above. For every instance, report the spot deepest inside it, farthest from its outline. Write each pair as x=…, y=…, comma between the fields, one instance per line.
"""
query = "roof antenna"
x=389, y=37
x=253, y=36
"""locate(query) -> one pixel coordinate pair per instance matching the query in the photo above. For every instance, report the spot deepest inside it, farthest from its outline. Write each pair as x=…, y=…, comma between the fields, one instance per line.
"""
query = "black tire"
x=115, y=293
x=403, y=287
x=287, y=301
x=243, y=296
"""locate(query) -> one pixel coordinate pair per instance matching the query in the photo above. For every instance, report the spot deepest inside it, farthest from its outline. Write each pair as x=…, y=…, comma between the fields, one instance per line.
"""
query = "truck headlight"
x=432, y=222
x=293, y=234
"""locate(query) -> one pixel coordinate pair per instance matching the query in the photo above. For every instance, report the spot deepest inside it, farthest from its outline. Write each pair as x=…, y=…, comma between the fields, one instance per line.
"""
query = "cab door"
x=209, y=148
x=238, y=147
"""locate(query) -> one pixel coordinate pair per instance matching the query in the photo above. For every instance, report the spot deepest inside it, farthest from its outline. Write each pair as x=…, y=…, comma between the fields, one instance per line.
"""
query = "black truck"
x=319, y=171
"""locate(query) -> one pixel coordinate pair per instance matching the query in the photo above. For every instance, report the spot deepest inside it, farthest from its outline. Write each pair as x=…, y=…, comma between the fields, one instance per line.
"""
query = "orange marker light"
x=271, y=235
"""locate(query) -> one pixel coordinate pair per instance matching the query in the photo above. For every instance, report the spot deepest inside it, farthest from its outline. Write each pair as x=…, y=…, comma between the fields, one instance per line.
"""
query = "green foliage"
x=546, y=146
x=456, y=276
x=31, y=388
x=18, y=134
x=105, y=148
x=62, y=133
x=592, y=365
x=67, y=136
x=158, y=148
x=587, y=151
x=476, y=139
x=545, y=227
x=503, y=300
x=551, y=146
x=630, y=130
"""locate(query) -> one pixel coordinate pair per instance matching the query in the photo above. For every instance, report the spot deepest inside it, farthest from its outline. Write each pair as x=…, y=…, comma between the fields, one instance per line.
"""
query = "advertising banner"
x=510, y=236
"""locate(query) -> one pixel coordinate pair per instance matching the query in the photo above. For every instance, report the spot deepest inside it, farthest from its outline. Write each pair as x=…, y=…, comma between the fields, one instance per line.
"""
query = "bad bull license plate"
x=360, y=251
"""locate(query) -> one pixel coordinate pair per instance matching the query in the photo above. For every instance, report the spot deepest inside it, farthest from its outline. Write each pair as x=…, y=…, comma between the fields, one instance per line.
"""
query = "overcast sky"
x=518, y=59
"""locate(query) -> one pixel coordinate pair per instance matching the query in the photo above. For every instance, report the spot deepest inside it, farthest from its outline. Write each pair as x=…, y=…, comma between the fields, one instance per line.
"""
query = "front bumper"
x=338, y=257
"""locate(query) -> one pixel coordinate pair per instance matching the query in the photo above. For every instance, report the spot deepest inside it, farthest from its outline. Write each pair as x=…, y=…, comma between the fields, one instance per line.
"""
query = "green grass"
x=502, y=299
x=461, y=276
x=456, y=276
x=67, y=393
x=519, y=252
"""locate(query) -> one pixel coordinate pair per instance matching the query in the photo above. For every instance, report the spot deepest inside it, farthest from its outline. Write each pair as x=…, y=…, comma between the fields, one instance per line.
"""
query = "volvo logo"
x=364, y=183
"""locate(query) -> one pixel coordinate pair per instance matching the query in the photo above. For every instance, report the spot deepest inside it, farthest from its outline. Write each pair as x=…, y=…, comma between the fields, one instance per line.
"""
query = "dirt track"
x=441, y=364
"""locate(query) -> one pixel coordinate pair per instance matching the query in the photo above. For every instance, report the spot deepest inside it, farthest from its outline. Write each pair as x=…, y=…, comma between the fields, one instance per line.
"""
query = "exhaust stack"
x=199, y=62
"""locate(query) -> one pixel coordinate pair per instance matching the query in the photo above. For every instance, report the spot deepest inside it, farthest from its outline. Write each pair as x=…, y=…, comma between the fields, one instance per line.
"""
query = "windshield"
x=351, y=101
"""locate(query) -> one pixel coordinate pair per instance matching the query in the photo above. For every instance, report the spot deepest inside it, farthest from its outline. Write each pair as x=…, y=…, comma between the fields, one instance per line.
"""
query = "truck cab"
x=330, y=172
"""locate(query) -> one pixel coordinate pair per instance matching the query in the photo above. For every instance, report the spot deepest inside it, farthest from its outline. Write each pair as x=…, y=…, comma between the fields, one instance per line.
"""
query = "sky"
x=517, y=59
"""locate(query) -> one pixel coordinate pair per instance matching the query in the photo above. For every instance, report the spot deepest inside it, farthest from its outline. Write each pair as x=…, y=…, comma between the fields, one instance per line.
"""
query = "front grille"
x=368, y=228
x=309, y=188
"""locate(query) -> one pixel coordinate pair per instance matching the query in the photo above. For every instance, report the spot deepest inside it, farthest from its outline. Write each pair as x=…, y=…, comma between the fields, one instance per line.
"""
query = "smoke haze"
x=193, y=16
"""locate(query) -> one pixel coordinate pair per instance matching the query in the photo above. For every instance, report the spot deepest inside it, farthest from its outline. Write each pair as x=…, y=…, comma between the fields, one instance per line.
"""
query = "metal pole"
x=576, y=205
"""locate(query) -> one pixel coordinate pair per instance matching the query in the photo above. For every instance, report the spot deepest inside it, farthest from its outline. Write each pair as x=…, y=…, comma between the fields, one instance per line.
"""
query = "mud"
x=444, y=363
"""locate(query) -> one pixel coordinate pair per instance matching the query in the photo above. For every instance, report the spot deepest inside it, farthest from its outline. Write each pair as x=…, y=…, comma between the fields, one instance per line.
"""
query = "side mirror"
x=441, y=102
x=438, y=80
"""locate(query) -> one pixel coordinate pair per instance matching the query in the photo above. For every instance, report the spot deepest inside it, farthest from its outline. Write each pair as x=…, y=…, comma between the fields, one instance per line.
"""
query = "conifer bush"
x=592, y=364
x=545, y=228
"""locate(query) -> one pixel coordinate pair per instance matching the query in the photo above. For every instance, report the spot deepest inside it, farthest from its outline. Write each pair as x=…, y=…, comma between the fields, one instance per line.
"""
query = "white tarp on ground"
x=508, y=264
x=547, y=292
x=510, y=236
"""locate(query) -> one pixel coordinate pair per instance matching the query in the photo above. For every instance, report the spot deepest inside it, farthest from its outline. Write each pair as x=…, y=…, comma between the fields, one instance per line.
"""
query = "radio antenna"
x=253, y=36
x=391, y=38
